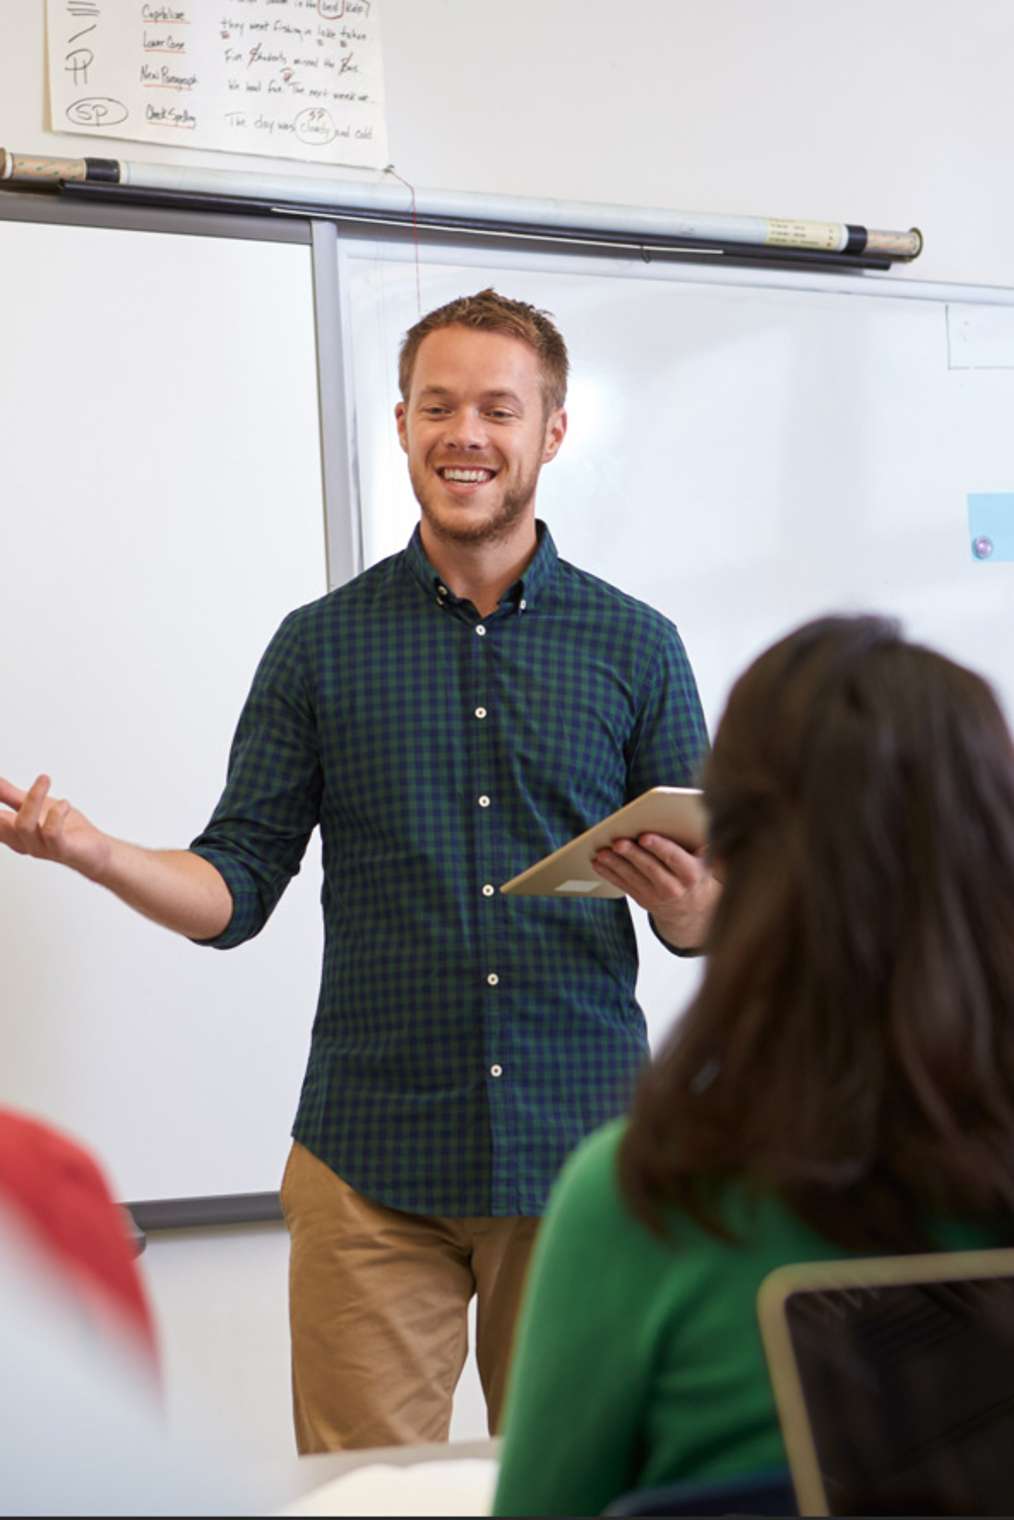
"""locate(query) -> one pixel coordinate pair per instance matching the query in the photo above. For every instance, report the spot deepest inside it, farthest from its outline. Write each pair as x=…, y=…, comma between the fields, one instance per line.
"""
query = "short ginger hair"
x=487, y=311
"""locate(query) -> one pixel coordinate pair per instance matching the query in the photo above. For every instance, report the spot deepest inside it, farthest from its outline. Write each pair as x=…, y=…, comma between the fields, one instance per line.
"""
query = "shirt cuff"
x=686, y=952
x=247, y=916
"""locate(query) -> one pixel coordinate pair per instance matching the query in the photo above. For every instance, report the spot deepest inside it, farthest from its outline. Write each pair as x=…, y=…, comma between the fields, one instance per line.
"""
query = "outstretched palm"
x=33, y=823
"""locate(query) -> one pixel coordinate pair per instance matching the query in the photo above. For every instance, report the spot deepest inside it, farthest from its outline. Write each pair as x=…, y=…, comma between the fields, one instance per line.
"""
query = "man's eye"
x=501, y=414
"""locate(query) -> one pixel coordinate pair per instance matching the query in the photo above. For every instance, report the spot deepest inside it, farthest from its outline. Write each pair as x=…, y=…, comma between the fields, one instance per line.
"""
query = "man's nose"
x=466, y=430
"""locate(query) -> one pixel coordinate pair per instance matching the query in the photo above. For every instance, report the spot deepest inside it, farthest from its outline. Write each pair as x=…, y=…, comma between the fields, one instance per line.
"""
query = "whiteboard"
x=743, y=453
x=162, y=511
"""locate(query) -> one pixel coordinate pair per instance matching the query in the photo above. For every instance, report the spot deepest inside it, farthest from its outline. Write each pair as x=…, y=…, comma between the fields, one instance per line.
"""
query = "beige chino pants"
x=378, y=1304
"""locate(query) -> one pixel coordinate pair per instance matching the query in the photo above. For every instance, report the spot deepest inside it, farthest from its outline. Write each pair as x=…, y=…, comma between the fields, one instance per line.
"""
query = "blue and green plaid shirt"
x=464, y=1041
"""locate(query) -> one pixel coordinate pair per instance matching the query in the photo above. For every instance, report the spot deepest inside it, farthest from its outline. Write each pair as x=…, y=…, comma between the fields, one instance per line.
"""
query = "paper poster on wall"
x=298, y=79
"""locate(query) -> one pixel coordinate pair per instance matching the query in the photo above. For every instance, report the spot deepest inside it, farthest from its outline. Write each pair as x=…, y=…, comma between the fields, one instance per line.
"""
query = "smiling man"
x=478, y=422
x=447, y=718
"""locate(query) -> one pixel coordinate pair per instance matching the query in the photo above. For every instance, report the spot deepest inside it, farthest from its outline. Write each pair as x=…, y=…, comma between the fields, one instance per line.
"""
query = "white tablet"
x=894, y=1380
x=675, y=811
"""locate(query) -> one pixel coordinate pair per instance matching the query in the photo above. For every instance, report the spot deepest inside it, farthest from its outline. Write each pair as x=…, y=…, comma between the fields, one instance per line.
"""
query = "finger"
x=52, y=823
x=650, y=866
x=636, y=884
x=608, y=874
x=685, y=865
x=10, y=794
x=644, y=877
x=606, y=864
x=31, y=809
x=621, y=871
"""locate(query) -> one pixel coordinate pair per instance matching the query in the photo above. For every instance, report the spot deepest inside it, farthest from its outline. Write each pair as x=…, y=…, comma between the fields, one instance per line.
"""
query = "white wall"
x=889, y=113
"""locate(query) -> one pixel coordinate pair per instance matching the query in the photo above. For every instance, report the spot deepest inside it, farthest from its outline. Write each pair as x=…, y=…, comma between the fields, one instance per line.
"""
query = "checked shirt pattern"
x=464, y=1042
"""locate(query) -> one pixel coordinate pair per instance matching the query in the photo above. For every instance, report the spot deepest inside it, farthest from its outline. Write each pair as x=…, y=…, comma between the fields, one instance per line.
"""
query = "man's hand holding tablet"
x=651, y=850
x=674, y=885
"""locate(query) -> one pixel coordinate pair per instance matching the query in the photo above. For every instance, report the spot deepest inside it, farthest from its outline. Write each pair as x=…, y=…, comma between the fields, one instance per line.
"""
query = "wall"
x=891, y=115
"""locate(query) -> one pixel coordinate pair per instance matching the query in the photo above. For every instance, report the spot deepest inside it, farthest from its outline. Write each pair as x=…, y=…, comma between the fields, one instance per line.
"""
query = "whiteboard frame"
x=331, y=251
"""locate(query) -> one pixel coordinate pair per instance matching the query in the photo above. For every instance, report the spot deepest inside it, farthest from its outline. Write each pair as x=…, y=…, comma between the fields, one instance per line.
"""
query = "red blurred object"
x=60, y=1196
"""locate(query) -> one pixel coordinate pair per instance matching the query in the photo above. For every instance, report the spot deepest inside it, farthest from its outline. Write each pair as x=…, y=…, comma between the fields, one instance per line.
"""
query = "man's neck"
x=480, y=573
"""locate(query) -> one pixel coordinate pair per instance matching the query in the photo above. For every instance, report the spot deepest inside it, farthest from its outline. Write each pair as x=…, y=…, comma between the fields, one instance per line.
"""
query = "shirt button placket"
x=482, y=749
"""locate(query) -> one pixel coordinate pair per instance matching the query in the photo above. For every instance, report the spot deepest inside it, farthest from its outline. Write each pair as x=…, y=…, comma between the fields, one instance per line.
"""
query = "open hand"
x=676, y=887
x=33, y=823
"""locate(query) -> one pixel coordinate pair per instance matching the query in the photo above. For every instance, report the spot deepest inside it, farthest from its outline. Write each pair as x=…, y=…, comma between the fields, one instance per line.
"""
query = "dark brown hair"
x=489, y=312
x=851, y=1046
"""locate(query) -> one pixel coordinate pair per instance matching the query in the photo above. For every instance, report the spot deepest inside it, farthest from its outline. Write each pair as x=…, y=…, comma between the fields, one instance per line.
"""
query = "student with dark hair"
x=843, y=1082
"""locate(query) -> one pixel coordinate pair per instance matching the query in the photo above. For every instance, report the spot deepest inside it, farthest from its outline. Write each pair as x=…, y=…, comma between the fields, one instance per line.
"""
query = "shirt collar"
x=535, y=579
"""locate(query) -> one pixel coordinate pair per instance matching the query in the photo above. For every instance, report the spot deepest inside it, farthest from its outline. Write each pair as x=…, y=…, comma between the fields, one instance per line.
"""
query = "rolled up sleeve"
x=258, y=833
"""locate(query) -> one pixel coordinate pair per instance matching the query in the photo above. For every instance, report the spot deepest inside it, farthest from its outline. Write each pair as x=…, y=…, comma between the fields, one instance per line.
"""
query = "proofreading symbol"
x=97, y=111
x=78, y=62
x=982, y=547
x=314, y=126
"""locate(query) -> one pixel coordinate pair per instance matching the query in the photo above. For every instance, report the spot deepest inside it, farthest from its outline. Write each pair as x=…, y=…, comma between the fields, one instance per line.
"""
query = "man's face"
x=476, y=433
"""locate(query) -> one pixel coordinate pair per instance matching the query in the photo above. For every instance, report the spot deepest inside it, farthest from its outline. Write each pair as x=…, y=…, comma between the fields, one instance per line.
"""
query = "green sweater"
x=639, y=1361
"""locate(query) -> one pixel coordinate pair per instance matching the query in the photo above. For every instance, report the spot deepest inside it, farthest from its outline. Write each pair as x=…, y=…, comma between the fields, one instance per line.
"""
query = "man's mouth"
x=471, y=477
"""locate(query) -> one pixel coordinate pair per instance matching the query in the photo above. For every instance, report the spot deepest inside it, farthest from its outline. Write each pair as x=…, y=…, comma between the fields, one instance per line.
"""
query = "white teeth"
x=469, y=477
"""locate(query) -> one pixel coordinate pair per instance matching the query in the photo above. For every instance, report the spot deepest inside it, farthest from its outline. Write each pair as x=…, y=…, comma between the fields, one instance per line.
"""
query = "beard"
x=462, y=525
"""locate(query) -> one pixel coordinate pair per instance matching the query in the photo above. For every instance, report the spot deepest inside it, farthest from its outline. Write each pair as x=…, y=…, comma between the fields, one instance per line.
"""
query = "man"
x=446, y=718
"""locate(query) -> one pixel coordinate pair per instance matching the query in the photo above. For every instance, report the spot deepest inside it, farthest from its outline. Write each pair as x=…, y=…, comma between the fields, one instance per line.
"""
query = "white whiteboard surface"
x=743, y=454
x=162, y=511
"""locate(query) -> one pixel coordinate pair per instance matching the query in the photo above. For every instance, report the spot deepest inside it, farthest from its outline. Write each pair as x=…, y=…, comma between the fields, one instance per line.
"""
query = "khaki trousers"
x=377, y=1307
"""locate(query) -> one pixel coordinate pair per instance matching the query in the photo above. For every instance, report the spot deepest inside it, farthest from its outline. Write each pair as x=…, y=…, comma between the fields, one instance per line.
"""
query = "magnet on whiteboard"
x=991, y=526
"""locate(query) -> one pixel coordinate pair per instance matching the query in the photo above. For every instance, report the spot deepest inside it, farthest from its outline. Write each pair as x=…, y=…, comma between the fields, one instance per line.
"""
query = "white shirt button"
x=480, y=712
x=493, y=979
x=496, y=1071
x=484, y=801
x=488, y=890
x=522, y=604
x=481, y=630
x=441, y=590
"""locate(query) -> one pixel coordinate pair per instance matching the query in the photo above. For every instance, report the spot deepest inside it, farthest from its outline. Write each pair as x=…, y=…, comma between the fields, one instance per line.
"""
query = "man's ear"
x=399, y=418
x=556, y=431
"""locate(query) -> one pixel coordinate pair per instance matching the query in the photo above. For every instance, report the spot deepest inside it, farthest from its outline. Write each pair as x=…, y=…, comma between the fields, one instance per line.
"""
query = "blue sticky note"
x=991, y=526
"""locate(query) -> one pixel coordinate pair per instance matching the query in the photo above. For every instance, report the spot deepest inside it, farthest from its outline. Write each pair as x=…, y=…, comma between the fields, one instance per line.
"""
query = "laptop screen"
x=908, y=1388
